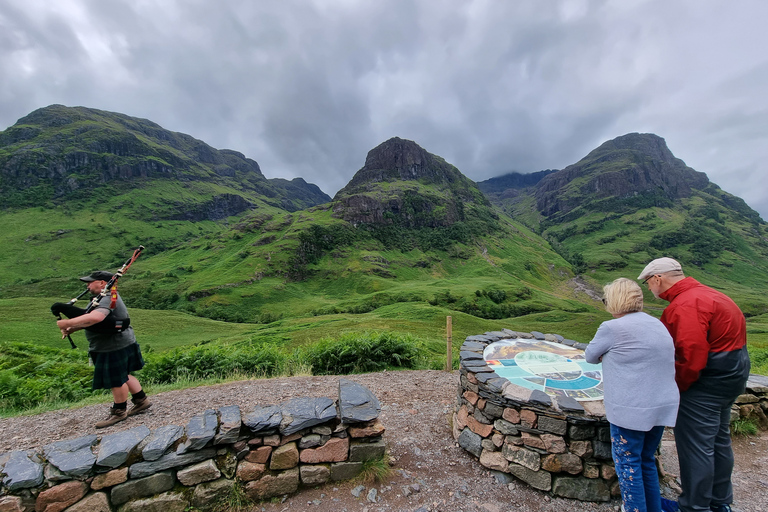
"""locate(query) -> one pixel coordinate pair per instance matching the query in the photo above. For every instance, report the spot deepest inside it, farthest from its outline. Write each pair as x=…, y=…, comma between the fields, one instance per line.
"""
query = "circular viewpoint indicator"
x=556, y=369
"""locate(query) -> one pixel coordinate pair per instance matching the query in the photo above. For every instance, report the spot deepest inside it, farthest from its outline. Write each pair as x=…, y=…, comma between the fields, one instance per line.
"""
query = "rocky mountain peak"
x=636, y=165
x=400, y=160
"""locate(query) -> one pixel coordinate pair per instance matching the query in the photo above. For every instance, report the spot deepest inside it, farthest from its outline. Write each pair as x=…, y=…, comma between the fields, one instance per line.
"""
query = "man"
x=112, y=348
x=711, y=369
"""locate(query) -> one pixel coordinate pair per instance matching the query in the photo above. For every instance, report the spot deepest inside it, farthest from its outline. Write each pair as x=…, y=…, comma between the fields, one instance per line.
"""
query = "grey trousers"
x=703, y=440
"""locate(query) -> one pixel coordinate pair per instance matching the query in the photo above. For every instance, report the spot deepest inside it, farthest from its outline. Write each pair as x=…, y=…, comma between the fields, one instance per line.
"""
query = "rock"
x=471, y=442
x=305, y=412
x=22, y=473
x=201, y=472
x=309, y=441
x=95, y=502
x=584, y=489
x=521, y=456
x=361, y=451
x=494, y=461
x=335, y=450
x=109, y=479
x=114, y=449
x=247, y=471
x=372, y=496
x=60, y=497
x=541, y=480
x=160, y=440
x=142, y=487
x=73, y=457
x=264, y=418
x=171, y=460
x=314, y=474
x=230, y=422
x=200, y=429
x=356, y=403
x=357, y=491
x=260, y=455
x=345, y=470
x=371, y=429
x=552, y=425
x=269, y=485
x=284, y=457
x=207, y=493
x=166, y=502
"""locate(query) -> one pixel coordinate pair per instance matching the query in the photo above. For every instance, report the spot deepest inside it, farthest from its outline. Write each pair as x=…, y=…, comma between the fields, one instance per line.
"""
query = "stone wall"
x=219, y=455
x=557, y=445
x=753, y=404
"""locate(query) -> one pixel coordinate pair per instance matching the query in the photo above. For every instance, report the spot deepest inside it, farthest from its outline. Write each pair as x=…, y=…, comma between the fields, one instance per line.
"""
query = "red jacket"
x=708, y=329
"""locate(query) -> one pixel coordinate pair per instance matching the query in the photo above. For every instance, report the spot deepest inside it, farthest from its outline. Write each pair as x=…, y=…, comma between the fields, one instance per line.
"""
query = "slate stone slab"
x=478, y=337
x=305, y=412
x=467, y=355
x=154, y=484
x=230, y=422
x=485, y=377
x=568, y=342
x=356, y=403
x=21, y=472
x=162, y=439
x=540, y=397
x=267, y=417
x=568, y=404
x=538, y=335
x=471, y=442
x=200, y=430
x=757, y=383
x=473, y=346
x=114, y=449
x=171, y=460
x=72, y=457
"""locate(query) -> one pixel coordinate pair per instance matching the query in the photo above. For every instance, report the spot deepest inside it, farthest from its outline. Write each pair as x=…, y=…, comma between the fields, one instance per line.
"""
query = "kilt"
x=111, y=369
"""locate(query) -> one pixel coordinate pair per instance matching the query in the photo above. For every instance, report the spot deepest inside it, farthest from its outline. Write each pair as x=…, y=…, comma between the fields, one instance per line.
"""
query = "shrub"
x=211, y=361
x=362, y=352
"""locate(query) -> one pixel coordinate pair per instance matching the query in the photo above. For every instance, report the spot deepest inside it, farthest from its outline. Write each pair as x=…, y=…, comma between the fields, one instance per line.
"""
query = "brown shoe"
x=142, y=404
x=115, y=416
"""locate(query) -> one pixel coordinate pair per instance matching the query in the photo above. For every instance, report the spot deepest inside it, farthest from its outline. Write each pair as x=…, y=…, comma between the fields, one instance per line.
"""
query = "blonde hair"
x=623, y=296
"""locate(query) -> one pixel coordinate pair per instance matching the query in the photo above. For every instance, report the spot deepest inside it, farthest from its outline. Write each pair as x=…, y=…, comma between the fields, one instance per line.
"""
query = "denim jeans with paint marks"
x=634, y=456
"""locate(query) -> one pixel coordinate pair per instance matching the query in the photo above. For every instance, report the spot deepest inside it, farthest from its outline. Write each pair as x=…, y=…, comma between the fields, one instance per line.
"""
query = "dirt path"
x=430, y=472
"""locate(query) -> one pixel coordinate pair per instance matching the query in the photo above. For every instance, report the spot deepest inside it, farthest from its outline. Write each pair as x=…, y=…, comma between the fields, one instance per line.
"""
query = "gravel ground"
x=430, y=472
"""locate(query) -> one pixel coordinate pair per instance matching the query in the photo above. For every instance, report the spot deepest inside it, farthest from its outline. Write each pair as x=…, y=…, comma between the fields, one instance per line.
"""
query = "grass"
x=744, y=427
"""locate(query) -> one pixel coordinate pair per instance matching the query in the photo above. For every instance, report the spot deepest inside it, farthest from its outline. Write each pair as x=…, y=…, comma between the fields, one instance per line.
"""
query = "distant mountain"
x=60, y=153
x=634, y=168
x=404, y=185
x=631, y=200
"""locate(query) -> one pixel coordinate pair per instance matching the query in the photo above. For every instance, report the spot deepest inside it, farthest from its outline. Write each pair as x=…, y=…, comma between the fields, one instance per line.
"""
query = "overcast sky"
x=307, y=88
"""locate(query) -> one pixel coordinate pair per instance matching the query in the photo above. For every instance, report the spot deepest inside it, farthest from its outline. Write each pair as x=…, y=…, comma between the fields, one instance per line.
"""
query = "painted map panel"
x=556, y=369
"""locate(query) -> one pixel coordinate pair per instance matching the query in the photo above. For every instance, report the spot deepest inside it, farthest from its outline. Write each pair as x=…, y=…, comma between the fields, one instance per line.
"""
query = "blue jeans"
x=634, y=454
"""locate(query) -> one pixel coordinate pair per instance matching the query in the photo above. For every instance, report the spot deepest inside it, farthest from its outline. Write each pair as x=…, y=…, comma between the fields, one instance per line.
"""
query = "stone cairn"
x=554, y=444
x=270, y=451
x=557, y=445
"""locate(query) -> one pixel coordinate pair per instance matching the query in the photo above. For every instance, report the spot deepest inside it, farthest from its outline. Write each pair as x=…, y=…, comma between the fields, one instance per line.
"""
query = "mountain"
x=58, y=154
x=402, y=184
x=631, y=200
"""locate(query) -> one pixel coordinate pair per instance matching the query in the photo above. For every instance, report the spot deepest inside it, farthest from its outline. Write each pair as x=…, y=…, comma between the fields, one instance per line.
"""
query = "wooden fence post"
x=449, y=344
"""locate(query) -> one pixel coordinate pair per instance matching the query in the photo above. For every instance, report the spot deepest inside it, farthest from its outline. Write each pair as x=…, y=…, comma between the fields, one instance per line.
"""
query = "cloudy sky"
x=307, y=87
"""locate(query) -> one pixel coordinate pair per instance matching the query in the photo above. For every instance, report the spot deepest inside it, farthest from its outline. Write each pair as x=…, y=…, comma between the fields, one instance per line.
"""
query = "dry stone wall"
x=557, y=445
x=270, y=451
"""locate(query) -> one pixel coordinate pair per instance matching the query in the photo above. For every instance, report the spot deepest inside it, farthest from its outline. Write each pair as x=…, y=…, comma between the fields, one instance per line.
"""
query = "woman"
x=641, y=395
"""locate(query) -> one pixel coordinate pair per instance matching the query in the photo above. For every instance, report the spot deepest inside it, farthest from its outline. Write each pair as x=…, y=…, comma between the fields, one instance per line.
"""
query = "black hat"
x=99, y=275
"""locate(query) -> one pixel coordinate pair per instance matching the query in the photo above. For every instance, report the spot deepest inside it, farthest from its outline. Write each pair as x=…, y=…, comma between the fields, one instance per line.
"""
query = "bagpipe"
x=110, y=324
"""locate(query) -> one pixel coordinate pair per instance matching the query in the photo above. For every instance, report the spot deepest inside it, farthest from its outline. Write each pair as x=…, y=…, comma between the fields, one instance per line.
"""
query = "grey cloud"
x=308, y=88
